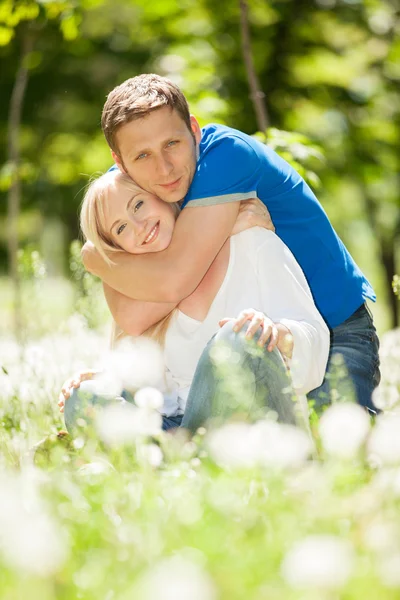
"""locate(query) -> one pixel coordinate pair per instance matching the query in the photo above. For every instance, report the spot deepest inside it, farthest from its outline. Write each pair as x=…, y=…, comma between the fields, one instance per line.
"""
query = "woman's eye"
x=143, y=155
x=138, y=205
x=121, y=228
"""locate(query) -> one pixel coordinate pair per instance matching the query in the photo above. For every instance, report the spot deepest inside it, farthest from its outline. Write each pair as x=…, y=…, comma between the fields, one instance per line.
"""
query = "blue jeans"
x=85, y=400
x=235, y=376
x=353, y=364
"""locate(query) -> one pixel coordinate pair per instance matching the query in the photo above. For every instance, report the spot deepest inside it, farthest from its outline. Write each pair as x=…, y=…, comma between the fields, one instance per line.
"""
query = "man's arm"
x=134, y=317
x=170, y=275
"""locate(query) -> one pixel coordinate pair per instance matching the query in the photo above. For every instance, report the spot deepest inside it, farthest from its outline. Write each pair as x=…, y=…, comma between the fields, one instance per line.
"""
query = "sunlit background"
x=329, y=69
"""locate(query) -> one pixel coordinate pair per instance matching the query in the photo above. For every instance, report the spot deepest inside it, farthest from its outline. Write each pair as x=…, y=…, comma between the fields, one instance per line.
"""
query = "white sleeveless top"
x=263, y=274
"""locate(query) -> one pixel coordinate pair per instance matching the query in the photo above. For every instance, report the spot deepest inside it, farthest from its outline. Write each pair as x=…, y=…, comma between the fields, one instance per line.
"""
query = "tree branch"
x=256, y=94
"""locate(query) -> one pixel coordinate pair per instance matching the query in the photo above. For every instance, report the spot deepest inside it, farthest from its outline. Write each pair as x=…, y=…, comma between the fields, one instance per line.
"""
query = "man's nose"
x=164, y=165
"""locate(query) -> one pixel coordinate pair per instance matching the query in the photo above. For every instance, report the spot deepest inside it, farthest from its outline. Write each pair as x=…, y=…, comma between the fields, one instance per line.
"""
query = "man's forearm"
x=170, y=275
x=134, y=317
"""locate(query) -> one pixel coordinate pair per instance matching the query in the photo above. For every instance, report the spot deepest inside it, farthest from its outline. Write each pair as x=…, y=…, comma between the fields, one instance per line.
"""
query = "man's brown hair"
x=137, y=97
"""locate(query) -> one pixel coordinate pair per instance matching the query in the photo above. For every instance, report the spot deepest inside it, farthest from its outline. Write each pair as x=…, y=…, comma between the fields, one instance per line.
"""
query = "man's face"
x=159, y=153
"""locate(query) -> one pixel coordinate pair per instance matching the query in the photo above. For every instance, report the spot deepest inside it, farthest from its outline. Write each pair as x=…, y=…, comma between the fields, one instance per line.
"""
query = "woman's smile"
x=153, y=234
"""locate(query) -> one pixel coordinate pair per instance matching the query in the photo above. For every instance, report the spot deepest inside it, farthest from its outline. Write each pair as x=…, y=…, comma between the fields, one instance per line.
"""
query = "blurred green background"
x=329, y=69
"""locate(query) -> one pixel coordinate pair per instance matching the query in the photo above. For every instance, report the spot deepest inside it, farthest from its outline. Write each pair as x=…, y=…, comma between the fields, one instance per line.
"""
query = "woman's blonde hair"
x=92, y=221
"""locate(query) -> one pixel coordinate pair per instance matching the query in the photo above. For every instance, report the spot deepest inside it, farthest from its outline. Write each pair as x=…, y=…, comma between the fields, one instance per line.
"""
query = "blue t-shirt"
x=234, y=166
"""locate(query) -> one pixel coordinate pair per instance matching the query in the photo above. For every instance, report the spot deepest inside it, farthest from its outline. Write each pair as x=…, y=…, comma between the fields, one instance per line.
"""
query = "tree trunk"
x=256, y=94
x=389, y=265
x=14, y=194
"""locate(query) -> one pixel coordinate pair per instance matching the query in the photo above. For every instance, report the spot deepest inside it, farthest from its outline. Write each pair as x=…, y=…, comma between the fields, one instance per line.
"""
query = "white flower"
x=95, y=468
x=35, y=545
x=177, y=578
x=152, y=454
x=119, y=424
x=232, y=445
x=381, y=536
x=30, y=540
x=386, y=396
x=136, y=363
x=266, y=443
x=384, y=441
x=280, y=445
x=321, y=561
x=149, y=397
x=343, y=429
x=389, y=570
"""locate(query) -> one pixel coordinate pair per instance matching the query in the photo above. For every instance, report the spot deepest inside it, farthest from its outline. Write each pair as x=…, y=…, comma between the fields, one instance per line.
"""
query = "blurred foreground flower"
x=320, y=561
x=343, y=429
x=135, y=363
x=265, y=443
x=119, y=424
x=177, y=578
x=30, y=540
x=384, y=441
x=150, y=398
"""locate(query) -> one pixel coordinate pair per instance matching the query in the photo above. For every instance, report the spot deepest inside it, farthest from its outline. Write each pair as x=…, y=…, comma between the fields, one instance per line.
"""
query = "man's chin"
x=172, y=197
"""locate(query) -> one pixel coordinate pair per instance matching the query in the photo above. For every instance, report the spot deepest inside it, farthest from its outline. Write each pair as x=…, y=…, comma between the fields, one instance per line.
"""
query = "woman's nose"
x=138, y=224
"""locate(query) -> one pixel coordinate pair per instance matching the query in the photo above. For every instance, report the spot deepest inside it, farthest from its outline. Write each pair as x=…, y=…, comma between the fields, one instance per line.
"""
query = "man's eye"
x=138, y=205
x=140, y=156
x=172, y=143
x=121, y=228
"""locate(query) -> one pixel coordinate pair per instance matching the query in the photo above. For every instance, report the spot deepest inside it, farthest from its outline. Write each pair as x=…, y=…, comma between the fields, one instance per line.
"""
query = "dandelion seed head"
x=120, y=424
x=149, y=397
x=320, y=561
x=343, y=429
x=177, y=578
x=384, y=441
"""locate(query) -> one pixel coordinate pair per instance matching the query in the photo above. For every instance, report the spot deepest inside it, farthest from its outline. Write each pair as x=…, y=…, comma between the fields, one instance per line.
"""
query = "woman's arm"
x=134, y=317
x=170, y=275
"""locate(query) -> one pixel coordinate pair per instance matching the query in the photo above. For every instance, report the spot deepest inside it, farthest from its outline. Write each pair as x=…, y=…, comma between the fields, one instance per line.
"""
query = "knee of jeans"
x=226, y=335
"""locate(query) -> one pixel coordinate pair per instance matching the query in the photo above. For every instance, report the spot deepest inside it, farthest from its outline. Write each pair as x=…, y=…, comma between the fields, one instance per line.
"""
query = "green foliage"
x=30, y=264
x=88, y=289
x=396, y=285
x=331, y=74
x=298, y=150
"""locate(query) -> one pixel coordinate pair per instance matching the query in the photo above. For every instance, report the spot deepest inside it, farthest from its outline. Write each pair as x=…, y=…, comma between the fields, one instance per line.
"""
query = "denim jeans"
x=84, y=401
x=235, y=376
x=353, y=364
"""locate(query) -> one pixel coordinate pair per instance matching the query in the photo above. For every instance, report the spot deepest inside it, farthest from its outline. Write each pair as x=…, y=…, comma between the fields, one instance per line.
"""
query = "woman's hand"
x=73, y=383
x=276, y=334
x=252, y=213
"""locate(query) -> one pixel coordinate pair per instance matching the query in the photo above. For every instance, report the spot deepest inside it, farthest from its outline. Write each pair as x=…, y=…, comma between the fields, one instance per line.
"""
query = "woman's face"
x=136, y=221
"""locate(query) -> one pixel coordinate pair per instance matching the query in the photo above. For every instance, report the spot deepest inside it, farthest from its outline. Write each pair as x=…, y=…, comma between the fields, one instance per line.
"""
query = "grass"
x=160, y=517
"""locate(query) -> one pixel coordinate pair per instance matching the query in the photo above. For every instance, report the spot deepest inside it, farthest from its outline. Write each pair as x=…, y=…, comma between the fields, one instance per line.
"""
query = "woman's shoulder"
x=256, y=238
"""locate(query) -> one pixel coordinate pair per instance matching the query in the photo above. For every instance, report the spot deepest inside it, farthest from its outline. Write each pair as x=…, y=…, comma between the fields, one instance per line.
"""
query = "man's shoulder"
x=215, y=136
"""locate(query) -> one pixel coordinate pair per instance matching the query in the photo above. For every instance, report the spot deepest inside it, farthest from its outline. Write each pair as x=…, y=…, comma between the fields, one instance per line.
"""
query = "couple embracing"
x=169, y=234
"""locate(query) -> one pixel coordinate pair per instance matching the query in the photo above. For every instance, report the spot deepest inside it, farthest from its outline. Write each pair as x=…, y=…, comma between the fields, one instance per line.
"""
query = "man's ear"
x=196, y=129
x=118, y=161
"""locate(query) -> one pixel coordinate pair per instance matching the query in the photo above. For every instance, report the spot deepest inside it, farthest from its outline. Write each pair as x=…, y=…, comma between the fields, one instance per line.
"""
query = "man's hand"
x=252, y=213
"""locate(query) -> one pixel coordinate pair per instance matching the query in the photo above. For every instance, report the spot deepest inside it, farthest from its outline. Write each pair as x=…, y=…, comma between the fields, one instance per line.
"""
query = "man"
x=154, y=139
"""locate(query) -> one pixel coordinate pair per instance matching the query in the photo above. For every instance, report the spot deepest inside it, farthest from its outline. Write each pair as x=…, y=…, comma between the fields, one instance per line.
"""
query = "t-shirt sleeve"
x=287, y=299
x=227, y=171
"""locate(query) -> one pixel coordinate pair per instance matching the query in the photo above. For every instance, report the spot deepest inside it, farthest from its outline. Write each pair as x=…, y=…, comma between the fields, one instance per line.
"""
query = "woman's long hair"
x=92, y=226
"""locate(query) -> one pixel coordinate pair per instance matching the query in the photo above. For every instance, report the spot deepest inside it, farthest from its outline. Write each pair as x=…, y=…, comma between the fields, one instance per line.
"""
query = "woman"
x=253, y=268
